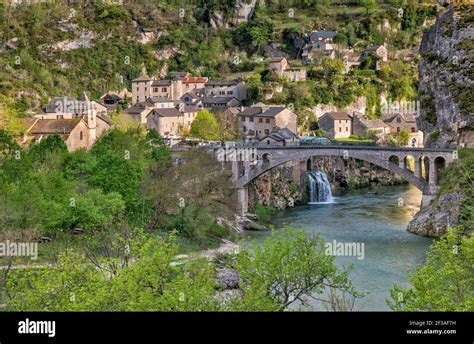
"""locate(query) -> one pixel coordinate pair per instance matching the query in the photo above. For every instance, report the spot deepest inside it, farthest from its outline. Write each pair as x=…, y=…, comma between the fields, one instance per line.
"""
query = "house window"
x=413, y=130
x=164, y=89
x=267, y=131
x=399, y=120
x=138, y=89
x=243, y=119
x=260, y=120
x=81, y=135
x=245, y=128
x=230, y=92
x=268, y=142
x=251, y=119
x=340, y=129
x=145, y=89
x=222, y=93
x=267, y=120
x=398, y=129
x=155, y=89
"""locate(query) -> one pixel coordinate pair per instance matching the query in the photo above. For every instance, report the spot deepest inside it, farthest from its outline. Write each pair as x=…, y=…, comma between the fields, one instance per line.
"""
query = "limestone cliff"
x=447, y=103
x=447, y=79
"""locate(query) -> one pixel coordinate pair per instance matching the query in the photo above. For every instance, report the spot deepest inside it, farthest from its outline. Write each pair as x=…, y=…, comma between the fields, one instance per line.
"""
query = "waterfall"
x=319, y=188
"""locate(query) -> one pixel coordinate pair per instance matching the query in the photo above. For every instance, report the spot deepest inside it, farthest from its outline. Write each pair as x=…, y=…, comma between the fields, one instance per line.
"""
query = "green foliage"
x=205, y=126
x=264, y=212
x=458, y=177
x=142, y=273
x=445, y=283
x=289, y=267
x=399, y=139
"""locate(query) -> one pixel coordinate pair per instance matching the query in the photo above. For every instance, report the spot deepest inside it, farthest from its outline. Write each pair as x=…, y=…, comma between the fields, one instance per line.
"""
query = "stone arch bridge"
x=249, y=162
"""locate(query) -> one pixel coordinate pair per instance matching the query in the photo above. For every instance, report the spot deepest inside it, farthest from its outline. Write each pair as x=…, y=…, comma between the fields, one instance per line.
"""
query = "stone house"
x=279, y=137
x=337, y=125
x=400, y=121
x=362, y=126
x=141, y=110
x=314, y=52
x=68, y=108
x=168, y=122
x=218, y=102
x=192, y=83
x=379, y=51
x=81, y=132
x=259, y=120
x=320, y=44
x=145, y=87
x=322, y=36
x=281, y=67
x=191, y=97
x=226, y=88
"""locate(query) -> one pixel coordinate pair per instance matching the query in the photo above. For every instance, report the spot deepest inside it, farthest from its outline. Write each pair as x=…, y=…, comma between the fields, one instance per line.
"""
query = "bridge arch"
x=272, y=160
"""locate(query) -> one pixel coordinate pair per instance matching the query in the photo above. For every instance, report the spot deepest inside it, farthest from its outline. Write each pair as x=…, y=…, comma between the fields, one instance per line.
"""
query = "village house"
x=259, y=120
x=140, y=110
x=320, y=45
x=68, y=107
x=80, y=132
x=226, y=88
x=279, y=137
x=400, y=121
x=167, y=122
x=375, y=50
x=218, y=102
x=364, y=127
x=110, y=101
x=337, y=125
x=145, y=87
x=281, y=67
x=193, y=96
x=322, y=36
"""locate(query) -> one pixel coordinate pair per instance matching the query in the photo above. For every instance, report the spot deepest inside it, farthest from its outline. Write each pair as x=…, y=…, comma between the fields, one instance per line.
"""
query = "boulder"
x=228, y=278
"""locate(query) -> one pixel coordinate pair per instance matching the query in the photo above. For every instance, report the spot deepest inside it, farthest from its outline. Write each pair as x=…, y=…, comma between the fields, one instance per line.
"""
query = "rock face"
x=281, y=187
x=446, y=79
x=243, y=10
x=435, y=219
x=346, y=174
x=287, y=186
x=360, y=105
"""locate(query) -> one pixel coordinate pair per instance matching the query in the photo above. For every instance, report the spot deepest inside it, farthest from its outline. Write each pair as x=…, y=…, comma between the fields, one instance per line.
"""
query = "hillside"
x=52, y=49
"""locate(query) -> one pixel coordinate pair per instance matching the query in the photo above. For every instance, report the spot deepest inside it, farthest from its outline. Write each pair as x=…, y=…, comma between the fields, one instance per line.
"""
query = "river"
x=378, y=220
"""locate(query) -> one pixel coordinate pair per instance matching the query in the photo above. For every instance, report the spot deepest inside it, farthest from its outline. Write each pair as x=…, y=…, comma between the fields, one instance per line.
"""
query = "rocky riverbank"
x=442, y=213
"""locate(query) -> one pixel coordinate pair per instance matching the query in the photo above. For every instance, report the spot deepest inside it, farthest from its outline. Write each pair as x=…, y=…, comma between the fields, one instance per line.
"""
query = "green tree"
x=205, y=126
x=289, y=267
x=445, y=283
x=369, y=5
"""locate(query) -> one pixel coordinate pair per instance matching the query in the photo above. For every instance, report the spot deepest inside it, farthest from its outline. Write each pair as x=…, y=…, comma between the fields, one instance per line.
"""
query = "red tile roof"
x=193, y=79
